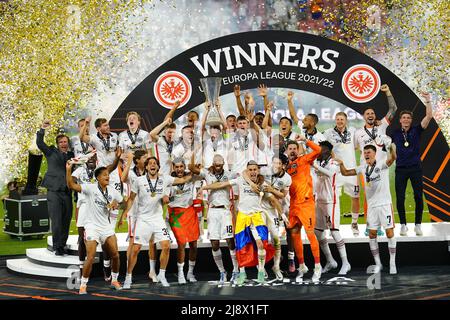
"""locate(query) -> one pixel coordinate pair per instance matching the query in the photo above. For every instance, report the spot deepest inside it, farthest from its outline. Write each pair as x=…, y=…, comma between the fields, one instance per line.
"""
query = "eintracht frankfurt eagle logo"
x=170, y=87
x=361, y=83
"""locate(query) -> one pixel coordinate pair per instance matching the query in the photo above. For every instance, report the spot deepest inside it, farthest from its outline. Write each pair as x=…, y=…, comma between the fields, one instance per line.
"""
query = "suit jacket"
x=55, y=177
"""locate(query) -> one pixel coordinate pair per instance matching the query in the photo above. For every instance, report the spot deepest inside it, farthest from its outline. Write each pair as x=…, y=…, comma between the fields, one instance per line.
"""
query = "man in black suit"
x=59, y=197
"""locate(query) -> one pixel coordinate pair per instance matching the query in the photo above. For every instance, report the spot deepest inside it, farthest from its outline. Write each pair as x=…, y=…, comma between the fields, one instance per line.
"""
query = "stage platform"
x=433, y=248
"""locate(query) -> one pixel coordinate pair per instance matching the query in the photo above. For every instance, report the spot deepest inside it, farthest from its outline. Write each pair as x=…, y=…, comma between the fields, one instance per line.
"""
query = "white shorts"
x=350, y=184
x=145, y=230
x=220, y=224
x=328, y=216
x=98, y=235
x=82, y=212
x=380, y=216
x=272, y=222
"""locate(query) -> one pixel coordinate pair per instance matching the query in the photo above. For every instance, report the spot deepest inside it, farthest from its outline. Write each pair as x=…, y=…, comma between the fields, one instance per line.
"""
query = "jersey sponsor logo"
x=172, y=86
x=250, y=191
x=375, y=178
x=361, y=83
x=100, y=203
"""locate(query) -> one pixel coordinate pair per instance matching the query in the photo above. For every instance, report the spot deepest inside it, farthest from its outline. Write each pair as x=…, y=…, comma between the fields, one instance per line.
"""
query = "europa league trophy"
x=211, y=89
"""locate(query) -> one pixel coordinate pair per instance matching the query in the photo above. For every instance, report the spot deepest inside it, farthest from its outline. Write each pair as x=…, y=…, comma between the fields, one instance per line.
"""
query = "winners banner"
x=294, y=60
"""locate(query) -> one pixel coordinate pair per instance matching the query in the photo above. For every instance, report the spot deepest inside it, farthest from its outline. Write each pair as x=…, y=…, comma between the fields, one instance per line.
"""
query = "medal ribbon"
x=369, y=173
x=132, y=136
x=106, y=142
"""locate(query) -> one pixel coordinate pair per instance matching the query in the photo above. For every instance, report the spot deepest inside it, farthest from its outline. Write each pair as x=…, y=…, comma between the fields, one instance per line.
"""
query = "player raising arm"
x=378, y=195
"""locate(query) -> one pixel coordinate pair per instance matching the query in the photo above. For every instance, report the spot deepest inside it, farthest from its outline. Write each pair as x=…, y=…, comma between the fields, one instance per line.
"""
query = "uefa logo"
x=361, y=83
x=170, y=87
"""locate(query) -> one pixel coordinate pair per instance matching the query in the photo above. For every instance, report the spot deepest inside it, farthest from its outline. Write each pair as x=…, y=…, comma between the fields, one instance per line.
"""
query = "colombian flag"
x=184, y=224
x=246, y=249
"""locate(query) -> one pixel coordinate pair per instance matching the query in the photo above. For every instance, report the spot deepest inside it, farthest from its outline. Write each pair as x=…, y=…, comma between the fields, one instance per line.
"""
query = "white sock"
x=191, y=266
x=84, y=280
x=261, y=259
x=392, y=245
x=128, y=277
x=242, y=269
x=340, y=244
x=291, y=255
x=162, y=273
x=234, y=260
x=217, y=255
x=107, y=263
x=114, y=276
x=324, y=245
x=355, y=217
x=180, y=267
x=375, y=251
x=152, y=265
x=317, y=266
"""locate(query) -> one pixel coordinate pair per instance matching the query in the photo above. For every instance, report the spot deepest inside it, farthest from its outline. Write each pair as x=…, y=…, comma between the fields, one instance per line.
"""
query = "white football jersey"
x=343, y=145
x=98, y=215
x=106, y=148
x=376, y=185
x=362, y=138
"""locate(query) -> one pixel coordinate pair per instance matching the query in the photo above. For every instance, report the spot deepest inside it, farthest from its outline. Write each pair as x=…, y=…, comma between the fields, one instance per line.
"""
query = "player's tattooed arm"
x=391, y=101
x=392, y=155
x=344, y=170
x=172, y=111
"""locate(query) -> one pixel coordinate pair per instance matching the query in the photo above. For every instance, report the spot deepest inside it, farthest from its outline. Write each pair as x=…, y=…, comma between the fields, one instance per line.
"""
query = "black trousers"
x=401, y=180
x=60, y=213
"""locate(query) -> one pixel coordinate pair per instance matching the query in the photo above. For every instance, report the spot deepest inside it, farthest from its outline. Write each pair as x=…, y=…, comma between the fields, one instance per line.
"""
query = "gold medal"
x=406, y=144
x=153, y=194
x=132, y=146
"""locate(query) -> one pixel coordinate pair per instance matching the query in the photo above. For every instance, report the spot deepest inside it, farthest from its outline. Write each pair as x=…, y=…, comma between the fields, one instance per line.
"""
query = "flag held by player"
x=246, y=250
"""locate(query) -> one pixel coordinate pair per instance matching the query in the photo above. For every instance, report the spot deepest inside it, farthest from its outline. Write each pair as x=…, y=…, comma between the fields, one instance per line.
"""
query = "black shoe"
x=59, y=252
x=66, y=250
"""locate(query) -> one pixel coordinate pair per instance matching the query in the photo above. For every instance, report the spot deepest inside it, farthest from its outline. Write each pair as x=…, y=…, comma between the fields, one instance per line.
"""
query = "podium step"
x=26, y=267
x=44, y=257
